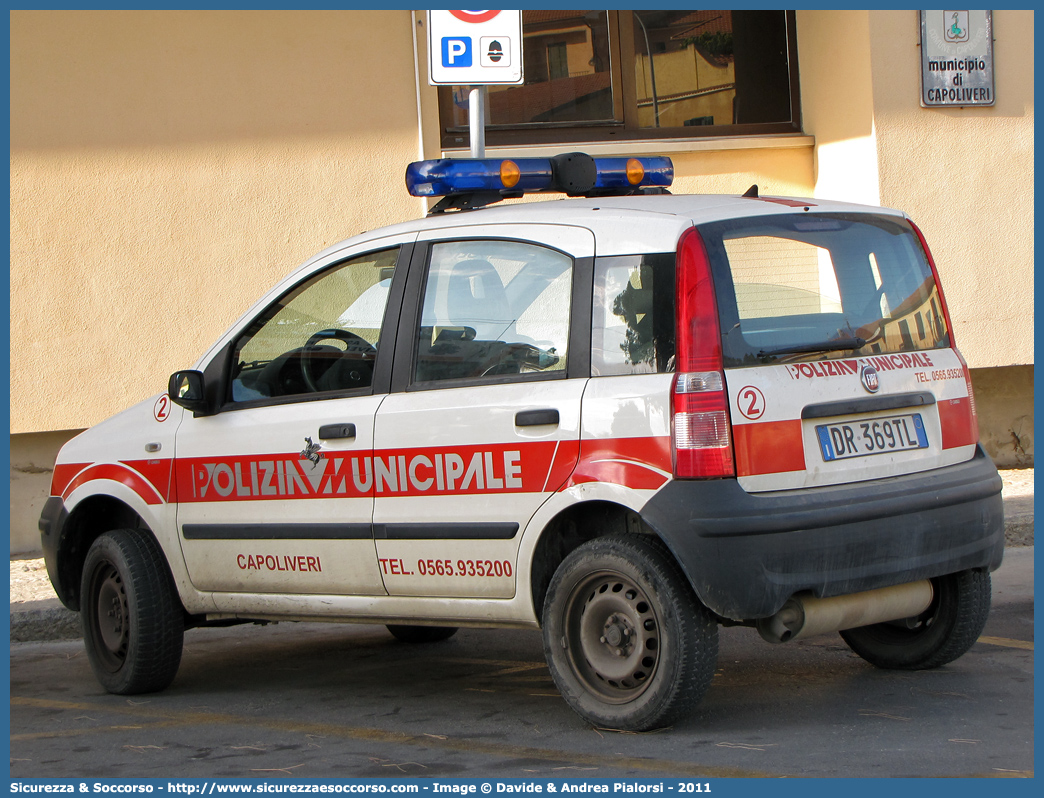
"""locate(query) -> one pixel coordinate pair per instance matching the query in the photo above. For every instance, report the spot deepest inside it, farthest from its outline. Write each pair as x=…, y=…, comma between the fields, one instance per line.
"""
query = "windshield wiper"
x=837, y=344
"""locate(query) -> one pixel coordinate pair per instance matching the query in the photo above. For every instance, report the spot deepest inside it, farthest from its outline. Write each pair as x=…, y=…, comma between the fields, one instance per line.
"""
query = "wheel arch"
x=88, y=520
x=571, y=528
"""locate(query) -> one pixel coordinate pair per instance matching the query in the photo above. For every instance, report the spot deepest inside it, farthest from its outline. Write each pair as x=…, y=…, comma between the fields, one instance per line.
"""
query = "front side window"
x=493, y=310
x=321, y=336
x=822, y=286
x=617, y=75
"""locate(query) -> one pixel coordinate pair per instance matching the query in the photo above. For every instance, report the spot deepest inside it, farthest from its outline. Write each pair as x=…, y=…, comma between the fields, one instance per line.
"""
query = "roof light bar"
x=633, y=172
x=575, y=174
x=462, y=175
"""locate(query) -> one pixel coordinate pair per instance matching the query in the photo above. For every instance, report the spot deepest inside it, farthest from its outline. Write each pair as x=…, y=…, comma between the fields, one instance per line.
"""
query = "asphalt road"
x=316, y=700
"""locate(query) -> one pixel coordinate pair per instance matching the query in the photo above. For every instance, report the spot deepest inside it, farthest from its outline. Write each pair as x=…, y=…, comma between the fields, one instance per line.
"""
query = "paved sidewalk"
x=36, y=613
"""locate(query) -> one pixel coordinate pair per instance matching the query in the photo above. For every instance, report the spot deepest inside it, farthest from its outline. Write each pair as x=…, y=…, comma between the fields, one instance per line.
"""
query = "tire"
x=133, y=622
x=421, y=634
x=941, y=634
x=628, y=644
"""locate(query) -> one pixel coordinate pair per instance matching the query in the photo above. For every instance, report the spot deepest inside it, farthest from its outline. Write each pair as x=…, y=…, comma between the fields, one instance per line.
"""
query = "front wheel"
x=627, y=642
x=133, y=622
x=941, y=634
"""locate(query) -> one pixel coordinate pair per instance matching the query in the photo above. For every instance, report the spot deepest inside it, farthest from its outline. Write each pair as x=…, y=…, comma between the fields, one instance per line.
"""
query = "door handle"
x=534, y=418
x=331, y=431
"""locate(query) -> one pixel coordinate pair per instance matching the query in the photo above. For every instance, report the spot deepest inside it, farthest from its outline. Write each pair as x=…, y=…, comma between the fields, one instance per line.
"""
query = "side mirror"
x=186, y=389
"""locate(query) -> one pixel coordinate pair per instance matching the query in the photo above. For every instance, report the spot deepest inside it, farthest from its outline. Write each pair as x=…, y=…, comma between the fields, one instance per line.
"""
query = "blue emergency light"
x=575, y=174
x=464, y=175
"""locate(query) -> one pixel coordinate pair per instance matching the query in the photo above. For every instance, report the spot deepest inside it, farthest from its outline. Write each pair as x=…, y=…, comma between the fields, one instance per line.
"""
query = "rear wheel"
x=941, y=634
x=628, y=643
x=421, y=634
x=133, y=622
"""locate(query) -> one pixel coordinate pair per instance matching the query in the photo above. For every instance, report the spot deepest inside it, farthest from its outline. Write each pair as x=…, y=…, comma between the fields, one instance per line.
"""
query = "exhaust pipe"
x=805, y=616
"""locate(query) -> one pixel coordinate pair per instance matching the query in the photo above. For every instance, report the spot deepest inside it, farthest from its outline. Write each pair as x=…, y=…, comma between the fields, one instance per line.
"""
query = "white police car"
x=626, y=418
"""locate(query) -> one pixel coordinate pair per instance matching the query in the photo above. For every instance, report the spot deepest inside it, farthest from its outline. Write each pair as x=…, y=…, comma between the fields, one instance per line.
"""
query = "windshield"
x=819, y=286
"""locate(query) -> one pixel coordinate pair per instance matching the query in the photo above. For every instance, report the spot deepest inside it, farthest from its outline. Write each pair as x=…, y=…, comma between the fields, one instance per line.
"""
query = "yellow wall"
x=782, y=172
x=837, y=103
x=965, y=175
x=167, y=167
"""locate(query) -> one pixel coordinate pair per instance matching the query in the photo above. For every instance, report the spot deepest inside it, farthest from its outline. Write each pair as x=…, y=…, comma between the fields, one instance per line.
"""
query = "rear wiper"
x=834, y=345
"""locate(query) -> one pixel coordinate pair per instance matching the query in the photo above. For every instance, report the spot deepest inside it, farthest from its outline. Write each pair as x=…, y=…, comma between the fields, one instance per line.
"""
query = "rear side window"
x=633, y=315
x=800, y=287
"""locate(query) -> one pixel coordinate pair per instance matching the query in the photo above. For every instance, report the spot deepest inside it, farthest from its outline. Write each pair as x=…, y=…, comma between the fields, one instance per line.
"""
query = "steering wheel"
x=356, y=347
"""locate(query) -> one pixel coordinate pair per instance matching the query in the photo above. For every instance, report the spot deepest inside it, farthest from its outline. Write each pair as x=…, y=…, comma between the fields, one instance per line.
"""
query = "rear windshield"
x=820, y=286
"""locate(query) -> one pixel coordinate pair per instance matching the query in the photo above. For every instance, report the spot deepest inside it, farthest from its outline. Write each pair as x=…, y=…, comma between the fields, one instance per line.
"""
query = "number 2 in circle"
x=162, y=408
x=751, y=402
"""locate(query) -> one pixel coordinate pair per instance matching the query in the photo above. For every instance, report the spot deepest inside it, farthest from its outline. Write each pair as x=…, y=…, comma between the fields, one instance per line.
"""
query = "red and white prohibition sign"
x=474, y=16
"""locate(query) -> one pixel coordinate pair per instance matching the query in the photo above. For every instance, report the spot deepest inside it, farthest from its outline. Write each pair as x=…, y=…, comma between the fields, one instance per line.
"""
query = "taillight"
x=971, y=396
x=938, y=285
x=701, y=445
x=973, y=421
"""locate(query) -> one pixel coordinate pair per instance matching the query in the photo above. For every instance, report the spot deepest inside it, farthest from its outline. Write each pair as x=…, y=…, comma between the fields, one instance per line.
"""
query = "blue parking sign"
x=474, y=48
x=456, y=51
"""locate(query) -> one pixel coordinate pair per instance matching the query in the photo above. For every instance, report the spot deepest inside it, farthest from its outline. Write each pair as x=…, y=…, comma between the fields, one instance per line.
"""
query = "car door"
x=483, y=423
x=271, y=488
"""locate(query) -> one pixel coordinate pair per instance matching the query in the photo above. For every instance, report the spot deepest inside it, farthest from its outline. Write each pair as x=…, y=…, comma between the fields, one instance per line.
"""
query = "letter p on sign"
x=456, y=52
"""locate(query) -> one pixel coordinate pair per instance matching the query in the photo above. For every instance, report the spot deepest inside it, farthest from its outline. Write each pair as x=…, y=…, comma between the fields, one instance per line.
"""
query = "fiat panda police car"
x=625, y=417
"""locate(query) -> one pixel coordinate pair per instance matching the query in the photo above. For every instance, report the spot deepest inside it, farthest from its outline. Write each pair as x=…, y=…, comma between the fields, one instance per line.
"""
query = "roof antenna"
x=752, y=192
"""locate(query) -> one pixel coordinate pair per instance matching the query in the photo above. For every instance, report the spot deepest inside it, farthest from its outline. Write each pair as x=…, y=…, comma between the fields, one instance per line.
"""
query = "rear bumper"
x=746, y=554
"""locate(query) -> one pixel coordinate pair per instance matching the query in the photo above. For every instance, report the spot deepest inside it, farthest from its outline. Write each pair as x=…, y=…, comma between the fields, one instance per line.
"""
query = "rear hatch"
x=839, y=363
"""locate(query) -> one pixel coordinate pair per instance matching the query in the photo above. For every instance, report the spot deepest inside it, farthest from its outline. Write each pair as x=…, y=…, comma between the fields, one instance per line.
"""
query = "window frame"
x=624, y=126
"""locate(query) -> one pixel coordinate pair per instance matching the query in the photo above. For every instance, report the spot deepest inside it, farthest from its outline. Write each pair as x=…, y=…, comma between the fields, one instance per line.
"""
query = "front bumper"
x=745, y=554
x=52, y=528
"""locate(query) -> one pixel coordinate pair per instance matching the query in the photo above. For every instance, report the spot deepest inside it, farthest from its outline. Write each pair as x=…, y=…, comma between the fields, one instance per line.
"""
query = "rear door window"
x=805, y=287
x=494, y=310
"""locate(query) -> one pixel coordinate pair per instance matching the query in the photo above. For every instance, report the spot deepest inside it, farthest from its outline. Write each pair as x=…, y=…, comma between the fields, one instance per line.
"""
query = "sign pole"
x=477, y=121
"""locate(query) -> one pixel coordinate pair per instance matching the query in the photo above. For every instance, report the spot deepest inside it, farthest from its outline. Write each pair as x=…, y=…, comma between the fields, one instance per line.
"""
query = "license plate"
x=873, y=436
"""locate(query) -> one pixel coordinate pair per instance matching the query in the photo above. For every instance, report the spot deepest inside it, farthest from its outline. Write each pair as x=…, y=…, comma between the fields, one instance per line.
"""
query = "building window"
x=557, y=61
x=620, y=75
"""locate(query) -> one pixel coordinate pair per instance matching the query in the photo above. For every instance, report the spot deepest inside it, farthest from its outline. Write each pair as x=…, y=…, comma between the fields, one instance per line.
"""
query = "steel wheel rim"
x=613, y=635
x=906, y=630
x=111, y=620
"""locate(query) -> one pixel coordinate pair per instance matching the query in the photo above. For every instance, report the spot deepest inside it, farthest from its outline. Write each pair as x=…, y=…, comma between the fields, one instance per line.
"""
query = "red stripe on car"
x=770, y=447
x=115, y=472
x=638, y=463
